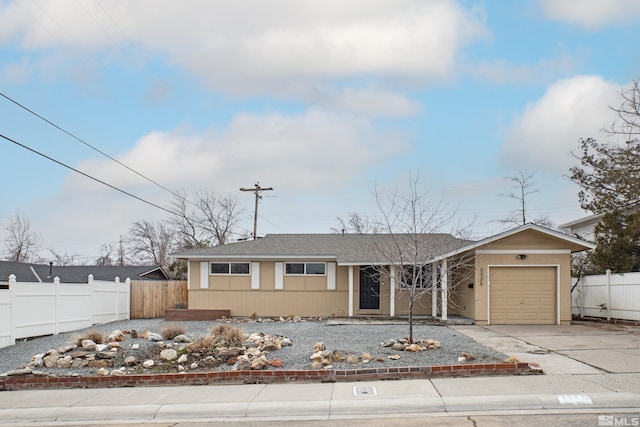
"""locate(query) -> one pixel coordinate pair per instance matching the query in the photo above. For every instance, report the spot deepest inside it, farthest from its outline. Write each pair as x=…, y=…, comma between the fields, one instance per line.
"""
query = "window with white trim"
x=305, y=268
x=223, y=268
x=420, y=275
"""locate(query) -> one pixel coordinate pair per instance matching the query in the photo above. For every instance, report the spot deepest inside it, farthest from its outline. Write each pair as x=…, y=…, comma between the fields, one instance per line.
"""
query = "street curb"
x=35, y=382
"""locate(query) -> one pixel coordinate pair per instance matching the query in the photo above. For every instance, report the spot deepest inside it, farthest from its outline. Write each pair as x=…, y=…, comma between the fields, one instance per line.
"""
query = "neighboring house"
x=77, y=273
x=520, y=276
x=583, y=227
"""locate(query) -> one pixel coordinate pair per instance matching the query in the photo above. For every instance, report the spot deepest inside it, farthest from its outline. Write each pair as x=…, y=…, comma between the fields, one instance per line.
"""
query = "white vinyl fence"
x=610, y=296
x=35, y=309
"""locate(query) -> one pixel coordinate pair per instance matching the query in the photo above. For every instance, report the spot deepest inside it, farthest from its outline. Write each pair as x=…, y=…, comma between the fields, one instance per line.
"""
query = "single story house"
x=42, y=273
x=520, y=276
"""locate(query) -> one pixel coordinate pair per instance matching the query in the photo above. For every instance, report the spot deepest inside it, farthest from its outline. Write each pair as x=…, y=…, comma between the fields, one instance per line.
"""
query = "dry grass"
x=202, y=345
x=228, y=334
x=172, y=330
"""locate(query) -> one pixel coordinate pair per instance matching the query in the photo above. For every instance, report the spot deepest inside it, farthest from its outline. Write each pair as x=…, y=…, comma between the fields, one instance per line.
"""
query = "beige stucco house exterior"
x=520, y=276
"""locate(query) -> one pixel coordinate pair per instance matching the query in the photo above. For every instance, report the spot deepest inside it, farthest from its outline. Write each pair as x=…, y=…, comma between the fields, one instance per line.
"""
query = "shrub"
x=202, y=345
x=172, y=330
x=230, y=335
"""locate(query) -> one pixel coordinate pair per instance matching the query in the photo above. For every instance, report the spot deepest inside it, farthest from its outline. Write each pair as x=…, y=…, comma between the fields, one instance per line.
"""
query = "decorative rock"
x=276, y=363
x=103, y=372
x=89, y=345
x=182, y=338
x=398, y=346
x=37, y=361
x=241, y=365
x=78, y=363
x=379, y=359
x=181, y=368
x=51, y=359
x=116, y=373
x=414, y=348
x=319, y=355
x=182, y=358
x=259, y=364
x=97, y=363
x=194, y=365
x=168, y=354
x=133, y=333
x=465, y=357
x=64, y=362
x=19, y=372
x=394, y=357
x=154, y=337
x=319, y=346
x=286, y=342
x=114, y=345
x=232, y=361
x=101, y=347
x=271, y=345
x=105, y=355
x=431, y=344
x=317, y=365
x=135, y=347
x=66, y=348
x=148, y=363
x=228, y=353
x=116, y=335
x=130, y=361
x=144, y=335
x=388, y=343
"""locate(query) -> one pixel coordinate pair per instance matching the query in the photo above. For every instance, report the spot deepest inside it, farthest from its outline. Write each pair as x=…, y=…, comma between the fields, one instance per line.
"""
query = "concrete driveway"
x=580, y=348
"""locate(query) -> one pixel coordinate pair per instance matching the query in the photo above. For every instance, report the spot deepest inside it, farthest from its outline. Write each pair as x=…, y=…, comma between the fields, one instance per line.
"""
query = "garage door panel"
x=522, y=295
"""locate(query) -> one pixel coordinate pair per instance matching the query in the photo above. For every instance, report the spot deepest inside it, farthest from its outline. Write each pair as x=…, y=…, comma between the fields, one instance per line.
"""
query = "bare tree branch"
x=21, y=244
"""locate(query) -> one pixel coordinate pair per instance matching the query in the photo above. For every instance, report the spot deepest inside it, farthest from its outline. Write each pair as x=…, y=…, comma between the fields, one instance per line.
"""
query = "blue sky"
x=320, y=100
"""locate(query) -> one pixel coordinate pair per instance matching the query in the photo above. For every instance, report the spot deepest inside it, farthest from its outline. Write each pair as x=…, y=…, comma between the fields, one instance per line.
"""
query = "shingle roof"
x=78, y=273
x=344, y=248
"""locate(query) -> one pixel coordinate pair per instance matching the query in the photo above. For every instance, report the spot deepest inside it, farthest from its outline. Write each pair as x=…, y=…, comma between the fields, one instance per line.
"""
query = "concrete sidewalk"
x=279, y=402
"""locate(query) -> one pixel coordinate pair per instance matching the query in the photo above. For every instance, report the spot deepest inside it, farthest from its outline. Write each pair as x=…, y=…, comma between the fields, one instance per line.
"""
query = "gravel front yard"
x=350, y=340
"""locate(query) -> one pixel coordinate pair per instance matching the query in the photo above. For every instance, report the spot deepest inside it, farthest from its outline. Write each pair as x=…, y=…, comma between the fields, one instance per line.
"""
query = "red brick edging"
x=32, y=382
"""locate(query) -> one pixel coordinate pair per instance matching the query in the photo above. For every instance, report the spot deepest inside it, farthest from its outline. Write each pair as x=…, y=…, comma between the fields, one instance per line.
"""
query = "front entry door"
x=369, y=289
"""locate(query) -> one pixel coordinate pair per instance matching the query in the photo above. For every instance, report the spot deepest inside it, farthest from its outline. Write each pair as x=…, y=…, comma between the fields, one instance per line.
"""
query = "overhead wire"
x=33, y=150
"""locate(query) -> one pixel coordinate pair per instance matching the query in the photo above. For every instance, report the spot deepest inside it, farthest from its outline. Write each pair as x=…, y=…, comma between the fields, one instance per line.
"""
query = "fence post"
x=582, y=290
x=56, y=288
x=608, y=295
x=128, y=299
x=12, y=307
x=92, y=298
x=117, y=290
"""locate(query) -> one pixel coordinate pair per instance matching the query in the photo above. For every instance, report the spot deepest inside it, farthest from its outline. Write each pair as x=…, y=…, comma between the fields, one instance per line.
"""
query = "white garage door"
x=522, y=295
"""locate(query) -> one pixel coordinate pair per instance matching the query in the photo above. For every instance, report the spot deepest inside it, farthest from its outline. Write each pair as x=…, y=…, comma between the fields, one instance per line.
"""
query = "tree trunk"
x=410, y=321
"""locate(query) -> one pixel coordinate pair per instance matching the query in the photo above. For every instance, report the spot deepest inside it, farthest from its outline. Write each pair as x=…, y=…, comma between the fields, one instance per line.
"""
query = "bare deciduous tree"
x=22, y=242
x=151, y=242
x=628, y=122
x=356, y=224
x=523, y=186
x=414, y=226
x=206, y=220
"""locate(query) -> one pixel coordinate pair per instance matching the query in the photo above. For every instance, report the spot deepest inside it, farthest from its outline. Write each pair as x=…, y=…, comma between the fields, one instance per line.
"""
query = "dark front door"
x=369, y=289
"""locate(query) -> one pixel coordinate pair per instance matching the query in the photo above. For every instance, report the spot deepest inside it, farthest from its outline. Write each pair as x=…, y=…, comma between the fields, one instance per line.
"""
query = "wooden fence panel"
x=150, y=298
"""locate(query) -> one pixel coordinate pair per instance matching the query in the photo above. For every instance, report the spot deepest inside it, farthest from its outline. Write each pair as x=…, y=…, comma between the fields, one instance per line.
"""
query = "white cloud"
x=301, y=155
x=591, y=14
x=549, y=129
x=271, y=47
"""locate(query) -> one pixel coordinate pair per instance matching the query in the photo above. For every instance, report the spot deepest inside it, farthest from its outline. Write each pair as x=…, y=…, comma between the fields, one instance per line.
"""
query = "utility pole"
x=257, y=190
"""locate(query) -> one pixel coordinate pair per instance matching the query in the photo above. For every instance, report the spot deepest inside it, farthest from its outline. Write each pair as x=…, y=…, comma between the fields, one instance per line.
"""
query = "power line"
x=87, y=175
x=8, y=98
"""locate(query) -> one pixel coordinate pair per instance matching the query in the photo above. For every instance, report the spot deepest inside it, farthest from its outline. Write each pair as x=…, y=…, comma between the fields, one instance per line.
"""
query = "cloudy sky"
x=320, y=100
